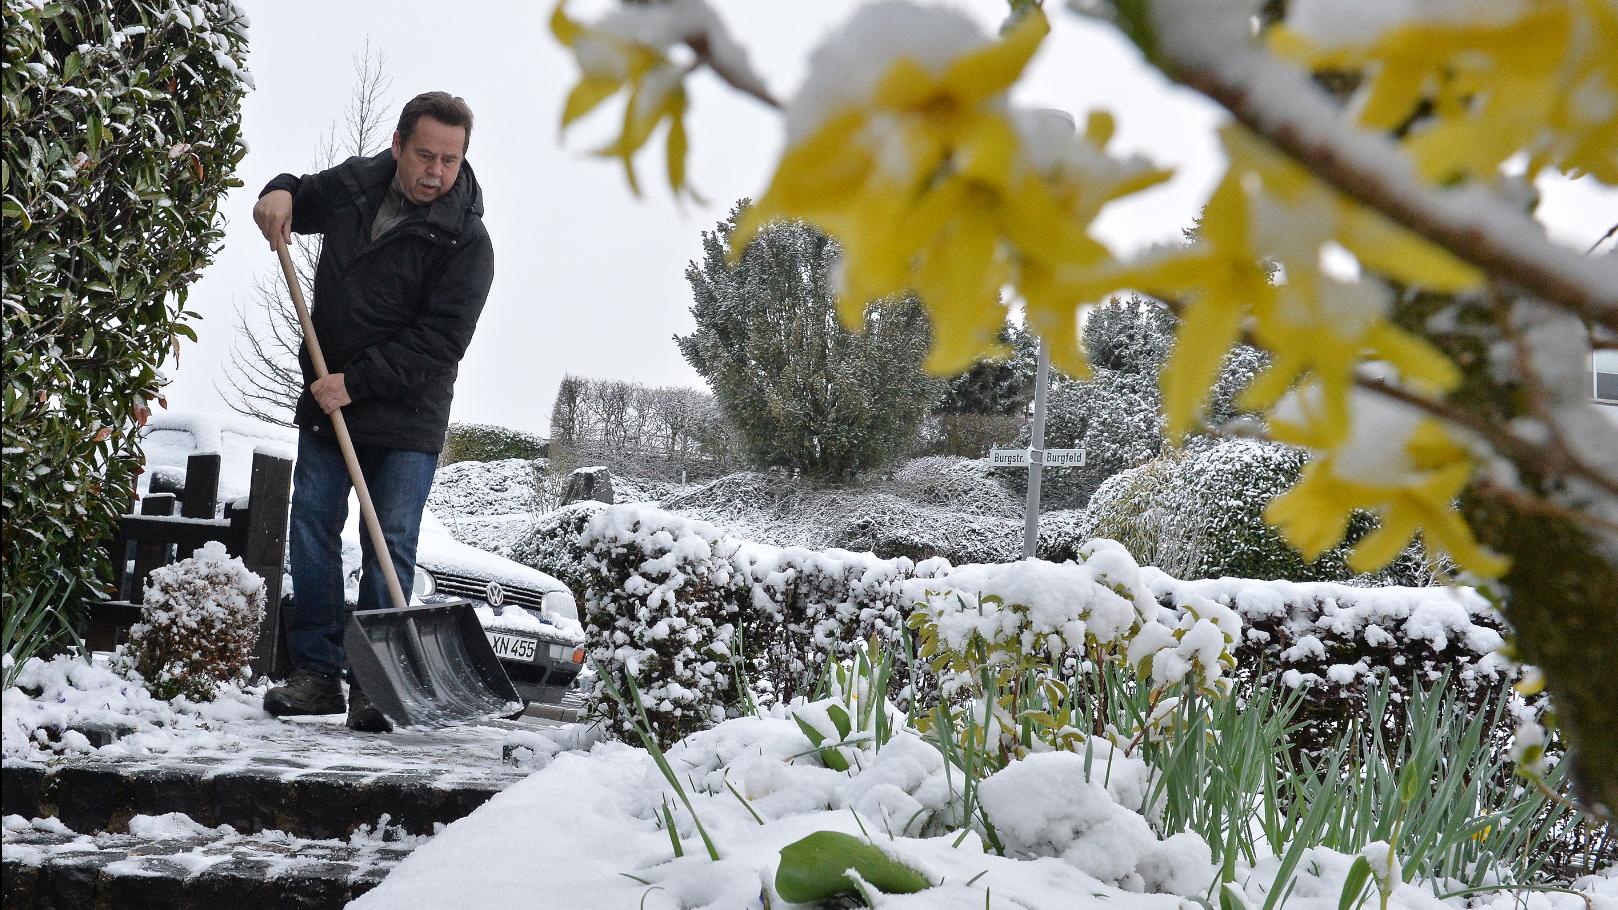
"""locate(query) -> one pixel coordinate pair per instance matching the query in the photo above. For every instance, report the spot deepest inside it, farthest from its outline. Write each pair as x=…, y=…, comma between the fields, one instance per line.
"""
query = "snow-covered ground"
x=54, y=700
x=591, y=820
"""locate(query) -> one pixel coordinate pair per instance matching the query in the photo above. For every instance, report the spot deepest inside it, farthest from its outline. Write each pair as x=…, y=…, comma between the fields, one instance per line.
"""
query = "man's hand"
x=330, y=393
x=273, y=215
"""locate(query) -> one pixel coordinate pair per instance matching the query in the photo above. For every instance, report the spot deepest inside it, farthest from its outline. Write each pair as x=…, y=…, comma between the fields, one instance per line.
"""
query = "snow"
x=599, y=808
x=846, y=68
x=52, y=696
x=591, y=819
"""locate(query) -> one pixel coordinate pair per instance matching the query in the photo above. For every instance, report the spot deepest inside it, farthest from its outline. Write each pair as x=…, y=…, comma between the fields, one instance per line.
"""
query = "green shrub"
x=486, y=442
x=122, y=131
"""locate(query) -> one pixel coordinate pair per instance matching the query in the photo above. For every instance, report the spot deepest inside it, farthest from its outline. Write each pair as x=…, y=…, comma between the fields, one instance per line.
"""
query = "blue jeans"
x=399, y=481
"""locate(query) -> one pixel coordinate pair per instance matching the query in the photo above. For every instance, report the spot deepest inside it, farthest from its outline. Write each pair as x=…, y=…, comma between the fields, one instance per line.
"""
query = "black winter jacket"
x=393, y=315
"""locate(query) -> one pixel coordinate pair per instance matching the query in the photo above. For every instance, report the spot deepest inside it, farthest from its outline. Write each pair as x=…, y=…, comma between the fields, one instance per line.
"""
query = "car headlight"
x=424, y=585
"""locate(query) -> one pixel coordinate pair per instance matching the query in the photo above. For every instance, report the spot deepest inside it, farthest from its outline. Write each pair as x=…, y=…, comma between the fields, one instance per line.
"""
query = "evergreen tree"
x=1116, y=415
x=1000, y=386
x=801, y=391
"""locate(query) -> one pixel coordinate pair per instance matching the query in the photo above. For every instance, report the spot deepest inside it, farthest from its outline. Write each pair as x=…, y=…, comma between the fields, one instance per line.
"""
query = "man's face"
x=429, y=162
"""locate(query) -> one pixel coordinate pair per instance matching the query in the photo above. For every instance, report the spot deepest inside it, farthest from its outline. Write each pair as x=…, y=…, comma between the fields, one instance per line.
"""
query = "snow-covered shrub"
x=1128, y=507
x=121, y=136
x=808, y=608
x=664, y=596
x=1199, y=513
x=660, y=605
x=553, y=544
x=930, y=507
x=199, y=625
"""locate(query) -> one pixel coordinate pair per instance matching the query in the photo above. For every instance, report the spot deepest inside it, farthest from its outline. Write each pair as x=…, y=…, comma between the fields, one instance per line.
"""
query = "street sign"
x=1064, y=458
x=1022, y=458
x=1008, y=458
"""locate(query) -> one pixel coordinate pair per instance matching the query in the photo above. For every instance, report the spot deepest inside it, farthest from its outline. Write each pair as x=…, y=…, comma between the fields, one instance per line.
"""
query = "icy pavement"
x=171, y=860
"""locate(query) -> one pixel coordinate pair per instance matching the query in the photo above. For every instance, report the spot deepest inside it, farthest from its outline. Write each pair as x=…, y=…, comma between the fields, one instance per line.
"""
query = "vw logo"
x=494, y=594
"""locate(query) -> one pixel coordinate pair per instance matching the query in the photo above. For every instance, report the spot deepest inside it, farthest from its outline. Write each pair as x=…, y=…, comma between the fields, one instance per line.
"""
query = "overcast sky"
x=588, y=279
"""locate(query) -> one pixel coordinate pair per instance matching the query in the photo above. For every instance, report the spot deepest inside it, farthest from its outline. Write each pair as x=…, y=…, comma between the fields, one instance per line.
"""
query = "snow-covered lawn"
x=587, y=825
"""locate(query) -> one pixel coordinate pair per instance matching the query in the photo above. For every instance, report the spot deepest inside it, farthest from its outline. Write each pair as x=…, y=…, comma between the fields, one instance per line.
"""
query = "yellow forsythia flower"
x=608, y=63
x=1539, y=77
x=923, y=176
x=1396, y=463
x=1269, y=215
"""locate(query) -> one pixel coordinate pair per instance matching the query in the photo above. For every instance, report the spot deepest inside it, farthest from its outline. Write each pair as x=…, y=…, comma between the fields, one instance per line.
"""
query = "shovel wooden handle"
x=379, y=544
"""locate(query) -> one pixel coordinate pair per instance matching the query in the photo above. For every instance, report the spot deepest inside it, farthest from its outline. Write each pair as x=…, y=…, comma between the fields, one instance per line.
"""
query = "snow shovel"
x=427, y=665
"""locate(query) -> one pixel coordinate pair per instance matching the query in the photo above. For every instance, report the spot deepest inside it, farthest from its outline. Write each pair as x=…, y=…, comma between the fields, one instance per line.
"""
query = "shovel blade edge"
x=429, y=665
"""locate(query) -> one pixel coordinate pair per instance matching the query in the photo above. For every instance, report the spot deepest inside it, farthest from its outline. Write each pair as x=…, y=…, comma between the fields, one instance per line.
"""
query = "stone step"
x=259, y=794
x=47, y=867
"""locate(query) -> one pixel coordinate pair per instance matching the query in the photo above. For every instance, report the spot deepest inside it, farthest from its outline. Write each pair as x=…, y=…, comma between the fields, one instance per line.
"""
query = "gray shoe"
x=306, y=692
x=364, y=716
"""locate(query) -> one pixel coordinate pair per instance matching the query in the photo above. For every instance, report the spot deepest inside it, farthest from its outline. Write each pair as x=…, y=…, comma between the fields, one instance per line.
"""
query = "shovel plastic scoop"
x=428, y=665
x=421, y=666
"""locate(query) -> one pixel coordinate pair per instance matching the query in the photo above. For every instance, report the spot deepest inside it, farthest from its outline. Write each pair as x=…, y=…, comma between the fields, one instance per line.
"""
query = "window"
x=1606, y=376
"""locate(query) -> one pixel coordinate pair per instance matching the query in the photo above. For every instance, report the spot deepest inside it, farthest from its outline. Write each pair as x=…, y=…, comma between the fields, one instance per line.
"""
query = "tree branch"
x=1280, y=104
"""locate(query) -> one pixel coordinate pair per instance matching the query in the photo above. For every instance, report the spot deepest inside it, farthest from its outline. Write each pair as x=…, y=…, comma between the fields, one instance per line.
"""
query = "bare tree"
x=263, y=375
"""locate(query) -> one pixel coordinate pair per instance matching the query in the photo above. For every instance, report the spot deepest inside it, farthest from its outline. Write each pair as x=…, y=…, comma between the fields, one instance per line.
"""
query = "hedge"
x=122, y=131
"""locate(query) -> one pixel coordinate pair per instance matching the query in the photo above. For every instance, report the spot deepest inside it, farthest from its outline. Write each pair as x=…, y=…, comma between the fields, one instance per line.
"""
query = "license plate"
x=514, y=647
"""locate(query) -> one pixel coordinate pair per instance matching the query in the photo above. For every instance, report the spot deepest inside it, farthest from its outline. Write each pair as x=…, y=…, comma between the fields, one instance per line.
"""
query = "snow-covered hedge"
x=660, y=606
x=928, y=507
x=1042, y=612
x=121, y=136
x=487, y=442
x=201, y=620
x=1335, y=641
x=665, y=596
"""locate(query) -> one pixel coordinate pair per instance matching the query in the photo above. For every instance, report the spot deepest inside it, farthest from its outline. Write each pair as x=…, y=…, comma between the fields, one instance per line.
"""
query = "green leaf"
x=815, y=869
x=11, y=208
x=1354, y=884
x=839, y=719
x=829, y=756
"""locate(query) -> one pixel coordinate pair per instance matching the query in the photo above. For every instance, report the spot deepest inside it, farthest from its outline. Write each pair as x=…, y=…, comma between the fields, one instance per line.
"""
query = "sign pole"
x=1036, y=454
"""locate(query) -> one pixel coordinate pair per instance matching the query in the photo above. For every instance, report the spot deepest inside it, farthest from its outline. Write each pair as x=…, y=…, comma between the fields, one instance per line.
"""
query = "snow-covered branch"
x=1199, y=45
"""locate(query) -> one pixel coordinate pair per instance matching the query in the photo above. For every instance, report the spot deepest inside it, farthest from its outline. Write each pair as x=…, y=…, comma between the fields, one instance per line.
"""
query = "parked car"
x=531, y=619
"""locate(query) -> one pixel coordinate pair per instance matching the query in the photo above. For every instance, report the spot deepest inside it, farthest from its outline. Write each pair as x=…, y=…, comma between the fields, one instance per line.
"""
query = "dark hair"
x=441, y=106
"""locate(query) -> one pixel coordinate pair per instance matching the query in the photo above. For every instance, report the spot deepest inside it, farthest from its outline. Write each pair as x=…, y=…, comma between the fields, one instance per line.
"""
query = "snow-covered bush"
x=121, y=135
x=660, y=605
x=1003, y=634
x=1199, y=513
x=553, y=544
x=199, y=625
x=810, y=608
x=929, y=507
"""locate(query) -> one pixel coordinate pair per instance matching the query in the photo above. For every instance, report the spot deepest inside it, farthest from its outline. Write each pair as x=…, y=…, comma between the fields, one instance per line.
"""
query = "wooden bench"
x=255, y=531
